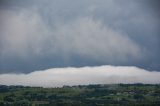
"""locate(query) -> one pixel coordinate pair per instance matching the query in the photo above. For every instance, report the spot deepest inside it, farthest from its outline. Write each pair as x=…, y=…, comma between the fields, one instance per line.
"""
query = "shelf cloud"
x=57, y=77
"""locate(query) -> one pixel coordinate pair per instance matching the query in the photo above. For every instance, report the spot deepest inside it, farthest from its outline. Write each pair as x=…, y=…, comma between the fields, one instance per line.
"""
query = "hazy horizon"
x=58, y=77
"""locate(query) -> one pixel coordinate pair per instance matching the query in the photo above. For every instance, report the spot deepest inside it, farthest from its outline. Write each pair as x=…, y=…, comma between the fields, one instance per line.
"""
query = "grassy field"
x=89, y=95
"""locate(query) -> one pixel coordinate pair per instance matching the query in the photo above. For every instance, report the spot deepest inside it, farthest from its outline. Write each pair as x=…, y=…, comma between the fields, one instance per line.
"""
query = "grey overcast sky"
x=43, y=34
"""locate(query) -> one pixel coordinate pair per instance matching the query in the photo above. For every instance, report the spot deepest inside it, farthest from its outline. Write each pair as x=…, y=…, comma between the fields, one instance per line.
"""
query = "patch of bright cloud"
x=57, y=77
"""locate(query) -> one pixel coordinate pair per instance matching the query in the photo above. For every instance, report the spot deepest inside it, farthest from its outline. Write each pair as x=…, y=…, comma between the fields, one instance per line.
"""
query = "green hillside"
x=90, y=95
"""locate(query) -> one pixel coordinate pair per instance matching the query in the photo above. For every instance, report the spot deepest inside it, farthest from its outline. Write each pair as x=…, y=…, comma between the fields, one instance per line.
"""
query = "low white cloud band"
x=57, y=77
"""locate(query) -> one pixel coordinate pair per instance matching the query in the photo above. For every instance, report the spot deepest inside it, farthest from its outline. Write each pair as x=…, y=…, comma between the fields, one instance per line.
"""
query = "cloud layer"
x=37, y=34
x=57, y=77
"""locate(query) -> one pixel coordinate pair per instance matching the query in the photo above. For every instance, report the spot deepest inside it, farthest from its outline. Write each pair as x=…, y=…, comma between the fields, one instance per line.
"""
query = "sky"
x=42, y=35
x=53, y=43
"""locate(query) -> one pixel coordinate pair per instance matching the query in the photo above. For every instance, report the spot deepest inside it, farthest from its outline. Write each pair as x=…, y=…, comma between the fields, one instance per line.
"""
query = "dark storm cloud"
x=37, y=34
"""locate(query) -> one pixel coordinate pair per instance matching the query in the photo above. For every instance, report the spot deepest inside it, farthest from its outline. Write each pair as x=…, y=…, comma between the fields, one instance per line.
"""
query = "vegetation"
x=90, y=95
